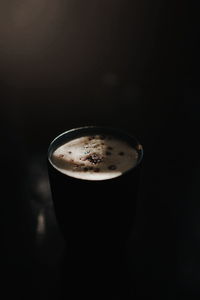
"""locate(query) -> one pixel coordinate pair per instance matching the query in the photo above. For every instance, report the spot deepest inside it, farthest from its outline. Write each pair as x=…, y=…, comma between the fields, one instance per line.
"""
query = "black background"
x=129, y=64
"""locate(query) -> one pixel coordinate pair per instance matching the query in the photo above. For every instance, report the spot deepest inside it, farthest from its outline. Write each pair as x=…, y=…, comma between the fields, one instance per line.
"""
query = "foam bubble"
x=94, y=157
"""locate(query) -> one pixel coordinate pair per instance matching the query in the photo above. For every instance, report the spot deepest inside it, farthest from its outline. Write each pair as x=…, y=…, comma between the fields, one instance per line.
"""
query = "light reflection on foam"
x=95, y=157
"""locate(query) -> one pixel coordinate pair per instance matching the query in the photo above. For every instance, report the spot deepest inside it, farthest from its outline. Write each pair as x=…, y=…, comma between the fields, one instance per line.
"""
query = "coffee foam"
x=94, y=157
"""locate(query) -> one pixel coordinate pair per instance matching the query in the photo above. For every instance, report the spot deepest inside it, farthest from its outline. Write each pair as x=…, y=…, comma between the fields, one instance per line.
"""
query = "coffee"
x=95, y=157
x=94, y=177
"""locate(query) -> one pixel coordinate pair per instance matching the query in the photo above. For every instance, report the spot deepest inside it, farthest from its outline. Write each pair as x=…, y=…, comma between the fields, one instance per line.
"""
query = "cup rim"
x=95, y=129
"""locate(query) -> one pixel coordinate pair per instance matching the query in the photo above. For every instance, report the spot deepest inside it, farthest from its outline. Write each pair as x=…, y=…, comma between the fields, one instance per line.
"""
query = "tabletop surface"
x=163, y=250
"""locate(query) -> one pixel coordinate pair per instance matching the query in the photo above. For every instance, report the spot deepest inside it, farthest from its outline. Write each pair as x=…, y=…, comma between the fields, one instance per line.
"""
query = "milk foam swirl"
x=94, y=157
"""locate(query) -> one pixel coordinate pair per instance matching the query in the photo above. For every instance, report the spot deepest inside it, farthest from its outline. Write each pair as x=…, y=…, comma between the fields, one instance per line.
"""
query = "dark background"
x=129, y=64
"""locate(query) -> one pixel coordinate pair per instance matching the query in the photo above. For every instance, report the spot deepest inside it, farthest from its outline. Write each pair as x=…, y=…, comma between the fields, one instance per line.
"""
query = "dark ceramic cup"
x=95, y=216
